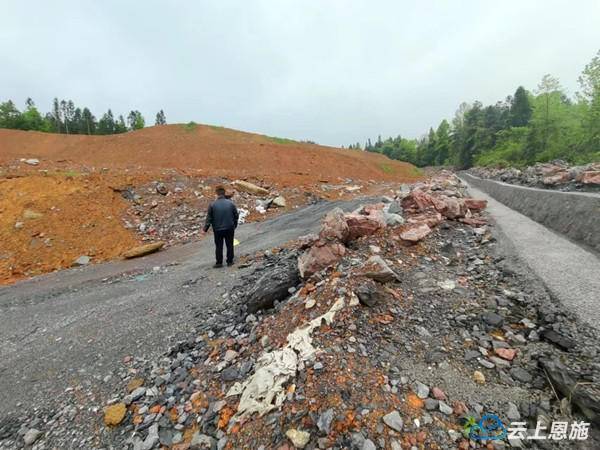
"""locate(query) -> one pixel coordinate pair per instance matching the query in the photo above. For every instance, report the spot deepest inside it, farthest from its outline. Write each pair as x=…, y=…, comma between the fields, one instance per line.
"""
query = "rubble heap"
x=553, y=175
x=401, y=333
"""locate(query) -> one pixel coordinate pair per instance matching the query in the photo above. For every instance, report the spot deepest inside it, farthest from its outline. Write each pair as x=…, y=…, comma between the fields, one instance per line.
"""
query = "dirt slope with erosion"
x=97, y=196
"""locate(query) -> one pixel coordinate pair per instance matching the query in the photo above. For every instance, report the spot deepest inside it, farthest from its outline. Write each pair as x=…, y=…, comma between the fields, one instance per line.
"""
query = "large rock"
x=143, y=250
x=361, y=225
x=334, y=226
x=279, y=202
x=450, y=207
x=474, y=204
x=557, y=178
x=83, y=260
x=432, y=219
x=415, y=232
x=417, y=200
x=273, y=285
x=590, y=177
x=584, y=395
x=249, y=187
x=319, y=256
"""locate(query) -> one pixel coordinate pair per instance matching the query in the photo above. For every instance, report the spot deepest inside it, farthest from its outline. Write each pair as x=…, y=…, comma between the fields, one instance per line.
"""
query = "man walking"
x=223, y=217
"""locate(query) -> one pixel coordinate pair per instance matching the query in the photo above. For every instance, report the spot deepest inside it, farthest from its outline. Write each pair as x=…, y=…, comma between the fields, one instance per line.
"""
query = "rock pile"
x=553, y=175
x=394, y=343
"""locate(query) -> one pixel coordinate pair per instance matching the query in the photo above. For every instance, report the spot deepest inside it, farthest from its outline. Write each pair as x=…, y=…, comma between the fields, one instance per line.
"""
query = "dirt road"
x=77, y=326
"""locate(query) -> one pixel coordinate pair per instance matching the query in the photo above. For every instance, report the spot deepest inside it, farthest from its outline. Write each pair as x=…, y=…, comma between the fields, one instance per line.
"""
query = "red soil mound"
x=209, y=150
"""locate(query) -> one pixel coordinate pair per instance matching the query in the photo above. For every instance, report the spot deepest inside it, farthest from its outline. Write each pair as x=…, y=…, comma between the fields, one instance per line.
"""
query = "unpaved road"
x=75, y=327
x=569, y=271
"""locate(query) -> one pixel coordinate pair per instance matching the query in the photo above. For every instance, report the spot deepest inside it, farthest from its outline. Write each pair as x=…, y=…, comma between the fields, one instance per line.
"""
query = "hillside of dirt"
x=69, y=199
x=211, y=151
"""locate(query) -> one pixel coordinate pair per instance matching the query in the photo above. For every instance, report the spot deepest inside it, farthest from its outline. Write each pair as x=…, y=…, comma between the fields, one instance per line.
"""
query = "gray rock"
x=32, y=161
x=513, y=412
x=422, y=390
x=492, y=319
x=162, y=189
x=520, y=374
x=431, y=404
x=368, y=444
x=446, y=409
x=31, y=436
x=83, y=260
x=394, y=421
x=324, y=422
x=152, y=438
x=202, y=441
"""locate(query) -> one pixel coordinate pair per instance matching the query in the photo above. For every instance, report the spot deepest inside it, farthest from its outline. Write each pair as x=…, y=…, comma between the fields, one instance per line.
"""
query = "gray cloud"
x=335, y=71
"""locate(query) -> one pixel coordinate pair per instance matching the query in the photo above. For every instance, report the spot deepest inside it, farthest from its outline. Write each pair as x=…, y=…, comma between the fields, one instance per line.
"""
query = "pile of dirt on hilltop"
x=211, y=151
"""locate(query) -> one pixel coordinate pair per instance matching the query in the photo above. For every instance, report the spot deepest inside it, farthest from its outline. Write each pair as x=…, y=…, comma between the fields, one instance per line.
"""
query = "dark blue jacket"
x=222, y=215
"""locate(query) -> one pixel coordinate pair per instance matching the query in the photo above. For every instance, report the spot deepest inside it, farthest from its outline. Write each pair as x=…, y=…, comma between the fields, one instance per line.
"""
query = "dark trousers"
x=220, y=236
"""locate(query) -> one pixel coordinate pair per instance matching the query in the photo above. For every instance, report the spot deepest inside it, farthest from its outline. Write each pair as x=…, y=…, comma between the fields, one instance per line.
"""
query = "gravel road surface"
x=76, y=326
x=570, y=272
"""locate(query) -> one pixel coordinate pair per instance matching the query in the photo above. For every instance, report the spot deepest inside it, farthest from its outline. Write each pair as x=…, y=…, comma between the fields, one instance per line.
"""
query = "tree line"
x=66, y=118
x=524, y=128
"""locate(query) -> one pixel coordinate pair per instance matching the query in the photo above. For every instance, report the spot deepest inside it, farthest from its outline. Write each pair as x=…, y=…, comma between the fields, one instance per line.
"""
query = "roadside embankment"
x=574, y=214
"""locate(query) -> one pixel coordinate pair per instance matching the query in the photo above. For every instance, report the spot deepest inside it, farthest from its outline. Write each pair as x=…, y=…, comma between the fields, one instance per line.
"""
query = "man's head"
x=220, y=191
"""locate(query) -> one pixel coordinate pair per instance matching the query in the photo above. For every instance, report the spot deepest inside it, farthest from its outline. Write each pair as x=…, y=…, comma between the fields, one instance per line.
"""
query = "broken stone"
x=360, y=225
x=81, y=261
x=474, y=204
x=31, y=436
x=279, y=202
x=320, y=256
x=298, y=438
x=557, y=339
x=394, y=421
x=32, y=161
x=114, y=414
x=324, y=422
x=334, y=226
x=368, y=294
x=378, y=270
x=415, y=232
x=273, y=285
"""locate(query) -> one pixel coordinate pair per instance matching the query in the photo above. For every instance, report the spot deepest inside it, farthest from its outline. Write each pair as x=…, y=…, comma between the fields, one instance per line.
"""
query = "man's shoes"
x=229, y=264
x=218, y=266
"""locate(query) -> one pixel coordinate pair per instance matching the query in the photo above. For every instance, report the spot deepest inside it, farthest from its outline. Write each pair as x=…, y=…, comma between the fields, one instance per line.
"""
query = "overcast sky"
x=333, y=71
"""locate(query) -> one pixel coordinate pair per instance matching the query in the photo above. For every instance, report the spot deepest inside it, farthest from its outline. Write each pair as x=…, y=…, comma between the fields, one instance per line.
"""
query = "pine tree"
x=160, y=118
x=520, y=108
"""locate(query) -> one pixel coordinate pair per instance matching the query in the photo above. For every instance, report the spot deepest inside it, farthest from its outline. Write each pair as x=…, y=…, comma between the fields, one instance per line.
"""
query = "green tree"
x=442, y=143
x=106, y=124
x=88, y=121
x=520, y=108
x=31, y=119
x=135, y=120
x=160, y=118
x=120, y=126
x=10, y=116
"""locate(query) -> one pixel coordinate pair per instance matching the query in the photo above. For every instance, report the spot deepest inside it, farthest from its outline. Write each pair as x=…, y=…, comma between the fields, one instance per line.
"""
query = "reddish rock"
x=334, y=226
x=475, y=205
x=417, y=200
x=306, y=241
x=360, y=225
x=432, y=219
x=373, y=207
x=506, y=353
x=590, y=177
x=415, y=232
x=473, y=221
x=320, y=256
x=438, y=394
x=452, y=208
x=557, y=178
